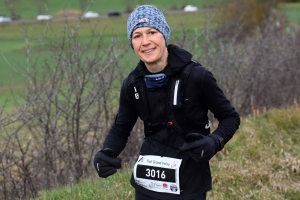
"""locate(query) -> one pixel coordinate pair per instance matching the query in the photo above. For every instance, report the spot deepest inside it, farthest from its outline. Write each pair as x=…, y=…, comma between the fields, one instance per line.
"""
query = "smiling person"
x=171, y=94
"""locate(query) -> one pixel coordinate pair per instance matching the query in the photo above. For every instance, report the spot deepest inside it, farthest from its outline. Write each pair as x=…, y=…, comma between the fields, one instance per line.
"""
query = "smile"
x=149, y=50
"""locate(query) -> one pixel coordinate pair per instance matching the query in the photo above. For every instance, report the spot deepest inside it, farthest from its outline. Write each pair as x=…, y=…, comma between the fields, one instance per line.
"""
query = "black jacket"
x=201, y=93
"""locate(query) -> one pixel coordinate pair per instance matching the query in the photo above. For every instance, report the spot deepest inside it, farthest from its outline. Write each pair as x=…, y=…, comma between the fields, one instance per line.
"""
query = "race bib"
x=159, y=174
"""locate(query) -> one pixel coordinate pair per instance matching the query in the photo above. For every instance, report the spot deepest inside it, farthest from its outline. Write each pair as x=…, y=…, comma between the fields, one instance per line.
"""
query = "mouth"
x=149, y=50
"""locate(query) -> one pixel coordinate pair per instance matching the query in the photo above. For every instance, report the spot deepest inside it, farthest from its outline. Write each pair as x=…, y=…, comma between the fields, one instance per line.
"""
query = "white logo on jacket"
x=137, y=96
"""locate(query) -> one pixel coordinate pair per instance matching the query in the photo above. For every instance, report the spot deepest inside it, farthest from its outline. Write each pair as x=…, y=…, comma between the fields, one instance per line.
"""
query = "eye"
x=136, y=36
x=152, y=32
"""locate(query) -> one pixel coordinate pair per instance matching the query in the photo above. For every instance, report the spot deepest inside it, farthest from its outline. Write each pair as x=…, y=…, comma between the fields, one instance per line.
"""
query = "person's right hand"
x=202, y=148
x=105, y=164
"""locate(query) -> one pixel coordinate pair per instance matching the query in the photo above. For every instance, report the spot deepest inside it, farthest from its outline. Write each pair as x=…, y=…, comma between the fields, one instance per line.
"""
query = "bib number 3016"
x=160, y=174
x=155, y=173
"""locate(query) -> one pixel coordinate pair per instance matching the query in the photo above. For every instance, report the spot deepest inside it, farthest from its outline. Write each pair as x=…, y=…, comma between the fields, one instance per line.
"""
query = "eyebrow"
x=136, y=32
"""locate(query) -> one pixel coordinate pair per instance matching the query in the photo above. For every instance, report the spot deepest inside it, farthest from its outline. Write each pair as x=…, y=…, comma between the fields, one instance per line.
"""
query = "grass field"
x=29, y=9
x=292, y=11
x=261, y=162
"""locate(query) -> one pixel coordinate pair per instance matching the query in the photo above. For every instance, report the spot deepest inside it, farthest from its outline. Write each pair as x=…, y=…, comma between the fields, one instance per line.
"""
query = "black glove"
x=105, y=163
x=201, y=147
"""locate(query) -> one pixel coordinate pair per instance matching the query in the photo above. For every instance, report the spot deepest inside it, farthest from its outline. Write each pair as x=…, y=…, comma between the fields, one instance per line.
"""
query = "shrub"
x=244, y=16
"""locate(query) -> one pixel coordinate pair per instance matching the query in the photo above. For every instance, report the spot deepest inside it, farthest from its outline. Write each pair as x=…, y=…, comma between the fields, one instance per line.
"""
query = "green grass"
x=107, y=26
x=292, y=11
x=115, y=187
x=29, y=9
x=260, y=162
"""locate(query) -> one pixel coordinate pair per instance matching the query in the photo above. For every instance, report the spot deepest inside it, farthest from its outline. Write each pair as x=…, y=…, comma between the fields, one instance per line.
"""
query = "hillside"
x=262, y=162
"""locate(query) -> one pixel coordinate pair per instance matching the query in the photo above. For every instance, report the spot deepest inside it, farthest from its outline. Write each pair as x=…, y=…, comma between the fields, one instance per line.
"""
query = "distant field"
x=292, y=11
x=29, y=9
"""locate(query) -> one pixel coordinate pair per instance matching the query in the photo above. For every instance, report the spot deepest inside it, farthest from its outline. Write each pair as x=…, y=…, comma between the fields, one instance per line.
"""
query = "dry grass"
x=262, y=160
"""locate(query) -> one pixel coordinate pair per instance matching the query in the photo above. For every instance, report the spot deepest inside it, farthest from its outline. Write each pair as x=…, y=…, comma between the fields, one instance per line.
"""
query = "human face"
x=150, y=46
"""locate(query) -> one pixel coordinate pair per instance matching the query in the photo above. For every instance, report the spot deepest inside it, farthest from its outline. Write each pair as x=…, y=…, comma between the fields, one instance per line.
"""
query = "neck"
x=156, y=67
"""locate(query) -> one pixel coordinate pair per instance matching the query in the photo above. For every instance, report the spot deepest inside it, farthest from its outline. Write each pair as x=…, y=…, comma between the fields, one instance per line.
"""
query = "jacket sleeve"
x=124, y=122
x=216, y=101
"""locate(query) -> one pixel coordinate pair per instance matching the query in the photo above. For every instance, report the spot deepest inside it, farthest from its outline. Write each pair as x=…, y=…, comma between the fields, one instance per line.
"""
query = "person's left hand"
x=202, y=148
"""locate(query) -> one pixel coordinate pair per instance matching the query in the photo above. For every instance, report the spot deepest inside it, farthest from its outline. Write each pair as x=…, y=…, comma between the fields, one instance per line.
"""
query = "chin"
x=150, y=60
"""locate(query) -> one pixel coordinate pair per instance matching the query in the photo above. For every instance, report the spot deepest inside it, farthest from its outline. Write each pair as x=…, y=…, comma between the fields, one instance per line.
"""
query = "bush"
x=258, y=72
x=69, y=104
x=244, y=16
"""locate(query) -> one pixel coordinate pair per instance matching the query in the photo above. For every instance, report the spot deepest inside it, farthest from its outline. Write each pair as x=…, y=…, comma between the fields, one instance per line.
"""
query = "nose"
x=145, y=40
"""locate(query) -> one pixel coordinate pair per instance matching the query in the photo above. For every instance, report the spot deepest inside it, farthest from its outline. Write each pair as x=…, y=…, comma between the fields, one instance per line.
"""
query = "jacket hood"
x=178, y=58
